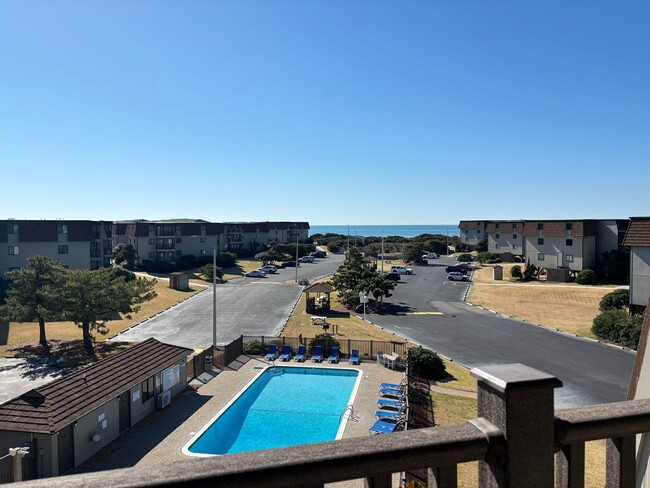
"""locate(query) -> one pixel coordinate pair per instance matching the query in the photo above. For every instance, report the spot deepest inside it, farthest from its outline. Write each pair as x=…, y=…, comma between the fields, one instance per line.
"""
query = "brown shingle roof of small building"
x=470, y=224
x=51, y=407
x=638, y=232
x=318, y=288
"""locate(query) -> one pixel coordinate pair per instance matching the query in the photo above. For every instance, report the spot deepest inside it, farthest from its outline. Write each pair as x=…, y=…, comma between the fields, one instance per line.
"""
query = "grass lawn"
x=27, y=332
x=349, y=326
x=564, y=306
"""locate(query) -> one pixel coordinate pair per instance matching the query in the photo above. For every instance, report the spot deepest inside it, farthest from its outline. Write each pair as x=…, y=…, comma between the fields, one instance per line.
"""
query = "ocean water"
x=386, y=230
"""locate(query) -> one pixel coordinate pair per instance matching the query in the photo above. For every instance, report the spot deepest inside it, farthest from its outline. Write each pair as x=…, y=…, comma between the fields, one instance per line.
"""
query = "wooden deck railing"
x=518, y=438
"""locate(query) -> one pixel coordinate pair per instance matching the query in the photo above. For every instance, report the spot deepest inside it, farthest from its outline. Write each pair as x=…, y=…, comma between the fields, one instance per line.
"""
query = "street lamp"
x=214, y=291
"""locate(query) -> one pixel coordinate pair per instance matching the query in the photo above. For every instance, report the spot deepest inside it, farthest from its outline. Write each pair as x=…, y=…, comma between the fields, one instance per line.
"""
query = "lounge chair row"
x=301, y=355
x=392, y=405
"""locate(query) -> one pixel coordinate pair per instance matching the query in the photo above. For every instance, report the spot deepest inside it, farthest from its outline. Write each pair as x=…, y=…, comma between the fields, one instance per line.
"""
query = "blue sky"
x=334, y=112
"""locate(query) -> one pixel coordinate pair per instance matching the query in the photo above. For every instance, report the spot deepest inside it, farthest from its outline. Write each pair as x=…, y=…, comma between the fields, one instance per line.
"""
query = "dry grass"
x=459, y=378
x=564, y=306
x=349, y=326
x=28, y=332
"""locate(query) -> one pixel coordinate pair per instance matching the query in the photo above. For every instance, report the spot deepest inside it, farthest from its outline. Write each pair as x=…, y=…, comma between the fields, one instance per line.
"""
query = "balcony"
x=518, y=438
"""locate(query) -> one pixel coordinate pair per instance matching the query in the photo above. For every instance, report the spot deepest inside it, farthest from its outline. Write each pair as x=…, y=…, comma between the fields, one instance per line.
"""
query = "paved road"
x=245, y=306
x=591, y=372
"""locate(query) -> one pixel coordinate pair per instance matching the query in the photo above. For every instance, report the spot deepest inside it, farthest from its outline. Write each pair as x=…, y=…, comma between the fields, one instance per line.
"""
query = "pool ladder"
x=349, y=408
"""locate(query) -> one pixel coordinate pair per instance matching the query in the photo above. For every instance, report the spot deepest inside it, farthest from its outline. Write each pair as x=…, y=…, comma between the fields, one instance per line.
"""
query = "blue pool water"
x=283, y=406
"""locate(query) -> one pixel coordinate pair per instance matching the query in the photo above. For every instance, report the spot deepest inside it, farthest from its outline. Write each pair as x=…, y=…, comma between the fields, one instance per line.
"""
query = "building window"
x=152, y=255
x=497, y=236
x=63, y=249
x=514, y=246
x=203, y=240
x=14, y=250
x=540, y=241
x=152, y=241
x=466, y=231
x=569, y=258
x=540, y=256
x=540, y=226
x=12, y=228
x=514, y=236
x=569, y=226
x=152, y=228
x=569, y=242
x=179, y=252
x=478, y=231
x=514, y=226
x=178, y=228
x=147, y=389
x=62, y=229
x=203, y=228
x=179, y=240
x=496, y=226
x=202, y=252
x=496, y=246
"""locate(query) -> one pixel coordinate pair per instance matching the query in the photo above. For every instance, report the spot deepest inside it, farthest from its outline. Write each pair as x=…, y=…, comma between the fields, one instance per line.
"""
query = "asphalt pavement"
x=431, y=312
x=245, y=306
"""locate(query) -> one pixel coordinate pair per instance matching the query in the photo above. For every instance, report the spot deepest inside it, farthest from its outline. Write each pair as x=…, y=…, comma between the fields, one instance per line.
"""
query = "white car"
x=256, y=274
x=430, y=255
x=306, y=259
x=269, y=268
x=401, y=270
x=456, y=276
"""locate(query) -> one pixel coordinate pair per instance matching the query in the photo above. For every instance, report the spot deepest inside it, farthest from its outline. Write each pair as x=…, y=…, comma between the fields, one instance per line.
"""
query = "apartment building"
x=472, y=231
x=78, y=244
x=637, y=239
x=165, y=240
x=561, y=243
x=505, y=237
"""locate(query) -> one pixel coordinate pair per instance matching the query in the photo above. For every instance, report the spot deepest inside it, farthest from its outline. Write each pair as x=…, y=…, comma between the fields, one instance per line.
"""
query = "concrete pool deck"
x=158, y=438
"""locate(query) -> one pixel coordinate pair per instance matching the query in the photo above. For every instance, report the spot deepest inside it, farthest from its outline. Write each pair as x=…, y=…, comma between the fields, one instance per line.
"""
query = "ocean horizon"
x=386, y=230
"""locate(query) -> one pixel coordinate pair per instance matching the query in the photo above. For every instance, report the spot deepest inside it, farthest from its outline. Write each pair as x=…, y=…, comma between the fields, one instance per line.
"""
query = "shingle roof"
x=51, y=407
x=638, y=232
x=318, y=288
x=557, y=228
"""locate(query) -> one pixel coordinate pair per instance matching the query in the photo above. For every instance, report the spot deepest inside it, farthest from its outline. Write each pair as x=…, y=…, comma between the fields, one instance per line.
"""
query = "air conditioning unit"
x=163, y=399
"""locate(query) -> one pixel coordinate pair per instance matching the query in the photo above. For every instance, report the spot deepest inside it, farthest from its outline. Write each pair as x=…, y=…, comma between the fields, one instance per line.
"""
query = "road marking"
x=424, y=313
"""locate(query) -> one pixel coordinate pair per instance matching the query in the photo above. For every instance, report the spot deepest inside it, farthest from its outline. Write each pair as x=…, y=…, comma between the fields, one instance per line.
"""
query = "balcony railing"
x=518, y=439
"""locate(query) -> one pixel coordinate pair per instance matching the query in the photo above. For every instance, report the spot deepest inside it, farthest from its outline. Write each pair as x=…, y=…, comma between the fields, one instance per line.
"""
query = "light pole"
x=297, y=263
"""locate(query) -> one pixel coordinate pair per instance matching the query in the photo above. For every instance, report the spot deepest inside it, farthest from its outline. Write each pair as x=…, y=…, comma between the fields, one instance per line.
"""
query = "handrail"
x=350, y=407
x=605, y=421
x=305, y=465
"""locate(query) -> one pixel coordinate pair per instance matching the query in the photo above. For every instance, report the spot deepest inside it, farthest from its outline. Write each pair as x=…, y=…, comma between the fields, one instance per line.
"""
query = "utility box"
x=179, y=281
x=497, y=273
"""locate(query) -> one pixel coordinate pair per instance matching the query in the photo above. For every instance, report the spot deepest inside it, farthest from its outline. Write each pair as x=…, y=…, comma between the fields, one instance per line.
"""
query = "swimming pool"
x=282, y=406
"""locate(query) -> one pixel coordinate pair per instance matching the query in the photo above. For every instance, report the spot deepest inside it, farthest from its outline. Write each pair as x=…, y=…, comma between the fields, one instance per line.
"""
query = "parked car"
x=269, y=268
x=466, y=266
x=430, y=255
x=457, y=276
x=401, y=270
x=256, y=274
x=290, y=264
x=306, y=259
x=392, y=276
x=458, y=269
x=319, y=254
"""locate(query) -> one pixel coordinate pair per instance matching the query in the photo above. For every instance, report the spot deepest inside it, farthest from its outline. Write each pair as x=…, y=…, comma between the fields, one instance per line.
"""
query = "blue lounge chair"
x=286, y=353
x=390, y=414
x=334, y=355
x=273, y=352
x=318, y=354
x=394, y=386
x=390, y=392
x=300, y=356
x=354, y=357
x=383, y=427
x=390, y=402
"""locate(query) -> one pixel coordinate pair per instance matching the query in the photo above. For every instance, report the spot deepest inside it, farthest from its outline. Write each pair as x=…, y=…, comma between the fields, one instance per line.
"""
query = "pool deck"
x=159, y=438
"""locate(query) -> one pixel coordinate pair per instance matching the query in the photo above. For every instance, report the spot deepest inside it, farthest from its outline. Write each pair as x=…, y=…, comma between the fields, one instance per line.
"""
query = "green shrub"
x=617, y=326
x=424, y=363
x=483, y=257
x=226, y=259
x=188, y=261
x=586, y=277
x=253, y=348
x=515, y=272
x=157, y=266
x=464, y=258
x=326, y=340
x=494, y=258
x=530, y=272
x=244, y=253
x=616, y=300
x=310, y=306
